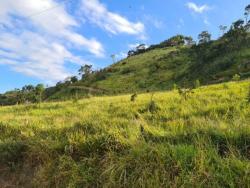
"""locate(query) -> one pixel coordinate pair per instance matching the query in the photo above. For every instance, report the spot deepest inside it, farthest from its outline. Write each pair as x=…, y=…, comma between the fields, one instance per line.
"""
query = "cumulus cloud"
x=112, y=22
x=40, y=45
x=196, y=8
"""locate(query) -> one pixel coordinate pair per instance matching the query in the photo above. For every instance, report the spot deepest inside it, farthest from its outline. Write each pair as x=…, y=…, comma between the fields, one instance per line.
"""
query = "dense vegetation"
x=196, y=138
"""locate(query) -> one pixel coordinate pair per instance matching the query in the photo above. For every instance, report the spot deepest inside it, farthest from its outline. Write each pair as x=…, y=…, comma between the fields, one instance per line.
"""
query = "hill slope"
x=155, y=69
x=160, y=67
x=164, y=141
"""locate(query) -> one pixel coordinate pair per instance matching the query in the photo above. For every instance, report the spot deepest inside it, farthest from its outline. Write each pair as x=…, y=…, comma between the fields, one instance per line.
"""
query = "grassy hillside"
x=159, y=141
x=161, y=67
x=157, y=68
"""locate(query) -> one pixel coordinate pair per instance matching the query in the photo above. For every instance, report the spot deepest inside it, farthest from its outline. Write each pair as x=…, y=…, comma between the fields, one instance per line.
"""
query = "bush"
x=175, y=87
x=236, y=78
x=133, y=97
x=197, y=84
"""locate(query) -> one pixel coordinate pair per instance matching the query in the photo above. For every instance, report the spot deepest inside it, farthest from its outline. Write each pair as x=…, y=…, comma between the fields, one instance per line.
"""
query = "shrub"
x=152, y=106
x=133, y=97
x=175, y=87
x=236, y=78
x=197, y=84
x=185, y=93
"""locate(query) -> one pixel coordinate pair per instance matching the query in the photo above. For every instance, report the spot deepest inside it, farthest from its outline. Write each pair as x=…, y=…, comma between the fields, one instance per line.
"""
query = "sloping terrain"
x=165, y=139
x=161, y=67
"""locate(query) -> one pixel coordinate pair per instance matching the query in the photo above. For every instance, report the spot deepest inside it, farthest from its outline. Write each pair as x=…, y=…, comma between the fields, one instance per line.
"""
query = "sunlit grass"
x=203, y=141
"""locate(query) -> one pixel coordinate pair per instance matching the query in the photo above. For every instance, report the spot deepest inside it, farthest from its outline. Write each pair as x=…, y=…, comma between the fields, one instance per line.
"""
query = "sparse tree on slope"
x=85, y=71
x=204, y=37
x=113, y=56
x=247, y=12
x=223, y=29
x=39, y=89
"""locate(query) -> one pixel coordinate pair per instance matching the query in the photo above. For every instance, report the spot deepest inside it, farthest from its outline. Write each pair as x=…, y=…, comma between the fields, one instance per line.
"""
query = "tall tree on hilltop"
x=223, y=29
x=189, y=41
x=85, y=71
x=247, y=12
x=239, y=24
x=204, y=37
x=113, y=56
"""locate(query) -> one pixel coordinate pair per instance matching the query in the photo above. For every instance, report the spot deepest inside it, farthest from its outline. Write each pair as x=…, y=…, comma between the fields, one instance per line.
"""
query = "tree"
x=113, y=56
x=141, y=48
x=28, y=88
x=39, y=89
x=204, y=37
x=73, y=79
x=247, y=26
x=247, y=12
x=85, y=71
x=189, y=41
x=131, y=53
x=223, y=29
x=177, y=40
x=237, y=34
x=237, y=25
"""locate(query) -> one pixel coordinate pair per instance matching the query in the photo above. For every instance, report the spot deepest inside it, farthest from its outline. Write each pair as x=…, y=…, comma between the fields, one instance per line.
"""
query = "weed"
x=133, y=97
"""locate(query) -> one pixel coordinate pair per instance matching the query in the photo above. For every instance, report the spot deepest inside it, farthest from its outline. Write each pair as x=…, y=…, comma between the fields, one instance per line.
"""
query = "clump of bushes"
x=236, y=78
x=185, y=93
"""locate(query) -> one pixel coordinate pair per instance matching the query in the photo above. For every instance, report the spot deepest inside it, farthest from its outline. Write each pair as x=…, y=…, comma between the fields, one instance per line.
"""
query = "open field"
x=166, y=141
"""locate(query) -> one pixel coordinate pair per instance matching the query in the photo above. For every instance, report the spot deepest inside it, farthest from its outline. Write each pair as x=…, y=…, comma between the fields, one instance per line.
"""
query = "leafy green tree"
x=189, y=41
x=113, y=56
x=85, y=71
x=39, y=89
x=247, y=12
x=74, y=79
x=204, y=37
x=177, y=40
x=28, y=88
x=223, y=29
x=239, y=24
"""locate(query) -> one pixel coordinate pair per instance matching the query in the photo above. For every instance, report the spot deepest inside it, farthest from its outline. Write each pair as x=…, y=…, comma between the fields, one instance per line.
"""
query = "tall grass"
x=202, y=141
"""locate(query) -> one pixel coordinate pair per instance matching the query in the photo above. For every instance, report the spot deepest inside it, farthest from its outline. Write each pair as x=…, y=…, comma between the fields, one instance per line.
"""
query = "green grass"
x=203, y=141
x=159, y=69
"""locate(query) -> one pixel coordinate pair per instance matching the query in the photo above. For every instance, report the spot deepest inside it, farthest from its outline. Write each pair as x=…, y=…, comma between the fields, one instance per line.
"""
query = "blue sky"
x=44, y=41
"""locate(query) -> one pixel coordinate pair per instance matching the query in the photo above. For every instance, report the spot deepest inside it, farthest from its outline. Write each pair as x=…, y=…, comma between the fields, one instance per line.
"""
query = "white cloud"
x=34, y=56
x=196, y=8
x=114, y=23
x=40, y=45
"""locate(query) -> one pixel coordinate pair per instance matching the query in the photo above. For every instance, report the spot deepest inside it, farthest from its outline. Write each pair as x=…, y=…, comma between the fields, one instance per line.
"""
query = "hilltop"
x=176, y=62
